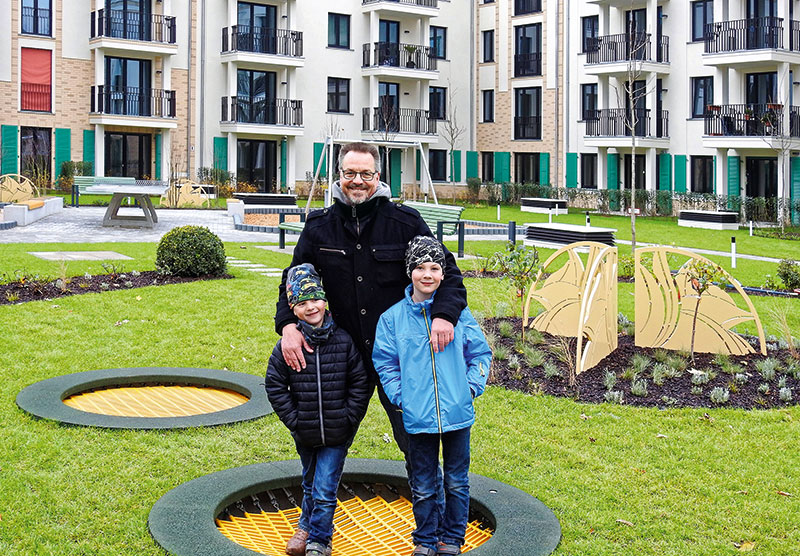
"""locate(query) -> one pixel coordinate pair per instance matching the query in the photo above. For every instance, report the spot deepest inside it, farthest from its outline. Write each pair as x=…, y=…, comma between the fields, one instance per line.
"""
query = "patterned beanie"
x=302, y=283
x=423, y=249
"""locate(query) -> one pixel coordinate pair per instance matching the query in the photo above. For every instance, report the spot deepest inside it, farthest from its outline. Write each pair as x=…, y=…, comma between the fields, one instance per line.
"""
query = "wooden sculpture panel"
x=15, y=188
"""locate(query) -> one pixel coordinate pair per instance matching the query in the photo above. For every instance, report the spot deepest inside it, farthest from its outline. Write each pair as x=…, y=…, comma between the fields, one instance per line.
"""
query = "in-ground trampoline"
x=254, y=510
x=148, y=398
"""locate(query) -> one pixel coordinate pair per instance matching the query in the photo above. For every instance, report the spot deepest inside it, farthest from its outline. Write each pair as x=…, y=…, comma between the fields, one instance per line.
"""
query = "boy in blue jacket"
x=435, y=393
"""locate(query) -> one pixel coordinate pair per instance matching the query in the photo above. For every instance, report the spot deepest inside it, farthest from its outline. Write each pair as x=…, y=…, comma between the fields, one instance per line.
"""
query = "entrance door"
x=761, y=175
x=640, y=171
x=128, y=155
x=388, y=106
x=256, y=164
x=128, y=89
x=130, y=19
x=389, y=43
x=256, y=28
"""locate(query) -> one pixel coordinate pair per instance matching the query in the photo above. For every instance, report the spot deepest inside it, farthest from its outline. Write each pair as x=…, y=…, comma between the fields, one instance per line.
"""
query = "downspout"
x=189, y=97
x=201, y=117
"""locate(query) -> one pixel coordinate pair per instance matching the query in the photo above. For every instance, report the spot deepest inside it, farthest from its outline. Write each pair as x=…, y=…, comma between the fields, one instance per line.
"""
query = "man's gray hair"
x=360, y=147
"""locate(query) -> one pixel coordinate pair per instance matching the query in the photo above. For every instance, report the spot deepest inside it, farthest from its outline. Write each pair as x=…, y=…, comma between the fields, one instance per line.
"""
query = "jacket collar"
x=381, y=191
x=413, y=305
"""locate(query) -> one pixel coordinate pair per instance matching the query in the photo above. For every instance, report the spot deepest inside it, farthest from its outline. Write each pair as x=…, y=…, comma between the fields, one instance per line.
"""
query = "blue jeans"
x=322, y=470
x=423, y=460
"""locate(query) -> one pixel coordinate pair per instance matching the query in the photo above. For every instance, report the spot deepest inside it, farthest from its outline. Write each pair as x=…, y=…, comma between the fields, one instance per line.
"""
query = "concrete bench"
x=267, y=199
x=27, y=212
x=543, y=205
x=709, y=219
x=432, y=214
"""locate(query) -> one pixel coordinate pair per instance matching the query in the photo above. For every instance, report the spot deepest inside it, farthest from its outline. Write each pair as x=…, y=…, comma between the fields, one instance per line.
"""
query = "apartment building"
x=712, y=109
x=101, y=82
x=519, y=92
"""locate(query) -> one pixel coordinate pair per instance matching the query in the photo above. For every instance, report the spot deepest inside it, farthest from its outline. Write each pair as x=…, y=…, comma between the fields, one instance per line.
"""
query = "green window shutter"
x=284, y=154
x=88, y=148
x=319, y=151
x=159, y=154
x=63, y=148
x=733, y=176
x=455, y=171
x=221, y=153
x=9, y=148
x=544, y=168
x=612, y=171
x=502, y=167
x=472, y=164
x=572, y=170
x=794, y=190
x=418, y=165
x=395, y=169
x=680, y=173
x=665, y=172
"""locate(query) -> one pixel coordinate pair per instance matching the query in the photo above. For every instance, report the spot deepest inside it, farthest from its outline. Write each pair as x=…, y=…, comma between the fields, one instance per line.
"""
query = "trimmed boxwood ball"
x=191, y=251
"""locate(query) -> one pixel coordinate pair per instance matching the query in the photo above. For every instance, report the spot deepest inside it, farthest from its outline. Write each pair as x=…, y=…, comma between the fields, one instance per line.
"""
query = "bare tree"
x=779, y=140
x=451, y=131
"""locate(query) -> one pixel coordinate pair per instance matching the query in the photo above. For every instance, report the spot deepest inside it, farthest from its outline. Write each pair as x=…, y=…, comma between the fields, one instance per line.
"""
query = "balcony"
x=428, y=8
x=388, y=122
x=398, y=60
x=35, y=97
x=523, y=7
x=528, y=127
x=129, y=31
x=614, y=127
x=132, y=106
x=744, y=120
x=36, y=21
x=245, y=43
x=611, y=54
x=278, y=116
x=749, y=41
x=528, y=65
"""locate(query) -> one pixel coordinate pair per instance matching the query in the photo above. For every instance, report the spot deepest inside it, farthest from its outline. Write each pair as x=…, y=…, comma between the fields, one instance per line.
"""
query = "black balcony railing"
x=245, y=38
x=527, y=64
x=620, y=48
x=748, y=120
x=662, y=55
x=620, y=122
x=794, y=35
x=744, y=34
x=527, y=127
x=36, y=21
x=35, y=97
x=412, y=56
x=275, y=111
x=522, y=7
x=397, y=120
x=794, y=121
x=133, y=101
x=121, y=24
x=423, y=3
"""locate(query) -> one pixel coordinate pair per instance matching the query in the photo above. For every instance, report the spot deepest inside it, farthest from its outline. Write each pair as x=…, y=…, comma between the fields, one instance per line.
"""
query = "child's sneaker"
x=297, y=544
x=420, y=550
x=443, y=549
x=316, y=549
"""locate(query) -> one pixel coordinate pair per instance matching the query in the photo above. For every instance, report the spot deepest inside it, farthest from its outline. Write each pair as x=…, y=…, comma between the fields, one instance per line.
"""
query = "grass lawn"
x=713, y=479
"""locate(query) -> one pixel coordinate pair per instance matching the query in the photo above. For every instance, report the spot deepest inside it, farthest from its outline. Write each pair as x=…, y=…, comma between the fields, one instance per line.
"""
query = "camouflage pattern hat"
x=423, y=249
x=303, y=283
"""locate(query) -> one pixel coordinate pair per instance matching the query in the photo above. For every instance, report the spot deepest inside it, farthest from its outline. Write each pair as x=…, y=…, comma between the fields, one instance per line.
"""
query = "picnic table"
x=140, y=193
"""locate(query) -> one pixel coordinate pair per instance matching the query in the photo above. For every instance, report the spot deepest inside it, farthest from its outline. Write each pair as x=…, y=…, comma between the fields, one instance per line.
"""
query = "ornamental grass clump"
x=785, y=394
x=533, y=357
x=615, y=397
x=191, y=251
x=661, y=372
x=719, y=395
x=551, y=370
x=639, y=388
x=505, y=329
x=640, y=363
x=767, y=367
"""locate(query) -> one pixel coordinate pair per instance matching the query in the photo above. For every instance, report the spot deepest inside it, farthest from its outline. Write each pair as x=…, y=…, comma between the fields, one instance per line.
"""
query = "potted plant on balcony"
x=411, y=55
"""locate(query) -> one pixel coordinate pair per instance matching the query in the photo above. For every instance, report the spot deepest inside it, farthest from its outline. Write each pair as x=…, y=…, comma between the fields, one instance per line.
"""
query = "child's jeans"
x=423, y=460
x=322, y=469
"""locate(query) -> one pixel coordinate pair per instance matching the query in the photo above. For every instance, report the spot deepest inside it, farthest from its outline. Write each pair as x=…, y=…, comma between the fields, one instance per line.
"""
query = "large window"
x=702, y=174
x=128, y=87
x=488, y=45
x=528, y=113
x=438, y=42
x=589, y=101
x=256, y=164
x=589, y=170
x=528, y=55
x=702, y=13
x=35, y=153
x=526, y=167
x=35, y=80
x=256, y=28
x=338, y=94
x=255, y=97
x=129, y=19
x=437, y=160
x=338, y=30
x=522, y=7
x=487, y=166
x=487, y=97
x=590, y=28
x=702, y=95
x=128, y=155
x=36, y=17
x=438, y=103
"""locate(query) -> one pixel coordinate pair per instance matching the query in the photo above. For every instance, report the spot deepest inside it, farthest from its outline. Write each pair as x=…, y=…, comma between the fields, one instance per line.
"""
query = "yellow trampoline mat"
x=372, y=527
x=156, y=401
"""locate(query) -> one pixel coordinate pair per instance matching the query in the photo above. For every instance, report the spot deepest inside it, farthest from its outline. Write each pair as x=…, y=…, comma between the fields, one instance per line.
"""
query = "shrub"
x=785, y=394
x=625, y=266
x=639, y=388
x=551, y=370
x=191, y=251
x=789, y=273
x=473, y=189
x=500, y=353
x=533, y=357
x=609, y=379
x=719, y=395
x=614, y=396
x=661, y=372
x=767, y=368
x=505, y=329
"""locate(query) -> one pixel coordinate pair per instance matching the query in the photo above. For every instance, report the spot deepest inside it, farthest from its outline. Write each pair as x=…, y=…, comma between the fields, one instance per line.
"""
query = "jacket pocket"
x=390, y=264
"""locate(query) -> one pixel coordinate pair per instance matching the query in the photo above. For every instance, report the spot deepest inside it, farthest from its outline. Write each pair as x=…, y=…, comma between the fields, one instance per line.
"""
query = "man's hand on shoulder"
x=292, y=345
x=442, y=333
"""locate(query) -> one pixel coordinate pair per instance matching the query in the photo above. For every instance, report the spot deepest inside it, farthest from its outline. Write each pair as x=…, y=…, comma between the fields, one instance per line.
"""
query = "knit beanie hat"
x=423, y=249
x=303, y=283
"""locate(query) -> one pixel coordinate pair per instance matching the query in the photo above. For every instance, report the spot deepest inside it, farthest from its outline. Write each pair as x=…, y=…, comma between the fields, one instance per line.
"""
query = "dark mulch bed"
x=674, y=392
x=35, y=289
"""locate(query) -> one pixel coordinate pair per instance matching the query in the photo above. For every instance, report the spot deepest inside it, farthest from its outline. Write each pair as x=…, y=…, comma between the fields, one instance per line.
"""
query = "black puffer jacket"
x=323, y=404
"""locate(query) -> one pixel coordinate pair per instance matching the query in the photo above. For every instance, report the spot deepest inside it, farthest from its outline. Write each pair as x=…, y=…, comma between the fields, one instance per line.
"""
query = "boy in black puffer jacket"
x=322, y=405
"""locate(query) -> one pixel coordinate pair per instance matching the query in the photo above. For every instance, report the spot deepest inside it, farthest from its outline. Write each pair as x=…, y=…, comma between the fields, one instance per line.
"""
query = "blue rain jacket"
x=434, y=390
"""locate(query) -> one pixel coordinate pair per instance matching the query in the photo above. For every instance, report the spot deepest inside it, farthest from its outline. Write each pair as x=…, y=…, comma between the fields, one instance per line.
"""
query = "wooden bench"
x=432, y=214
x=80, y=183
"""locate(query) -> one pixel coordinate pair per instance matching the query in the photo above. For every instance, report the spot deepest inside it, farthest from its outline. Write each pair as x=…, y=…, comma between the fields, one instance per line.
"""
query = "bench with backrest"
x=432, y=214
x=80, y=183
x=294, y=227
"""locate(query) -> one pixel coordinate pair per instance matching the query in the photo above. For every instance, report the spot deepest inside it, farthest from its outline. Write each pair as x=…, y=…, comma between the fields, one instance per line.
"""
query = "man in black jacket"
x=358, y=246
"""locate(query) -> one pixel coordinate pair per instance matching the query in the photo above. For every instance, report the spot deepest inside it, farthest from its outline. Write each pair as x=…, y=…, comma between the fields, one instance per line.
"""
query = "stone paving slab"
x=80, y=255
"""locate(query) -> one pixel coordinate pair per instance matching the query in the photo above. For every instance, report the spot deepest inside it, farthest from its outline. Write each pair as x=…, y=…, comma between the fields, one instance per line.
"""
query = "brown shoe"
x=297, y=544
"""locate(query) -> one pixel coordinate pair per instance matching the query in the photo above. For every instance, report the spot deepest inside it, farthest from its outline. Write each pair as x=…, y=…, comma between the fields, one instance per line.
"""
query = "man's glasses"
x=366, y=175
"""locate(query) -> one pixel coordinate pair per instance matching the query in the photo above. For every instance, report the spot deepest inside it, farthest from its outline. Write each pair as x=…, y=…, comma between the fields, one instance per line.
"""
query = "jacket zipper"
x=358, y=225
x=329, y=250
x=319, y=398
x=433, y=366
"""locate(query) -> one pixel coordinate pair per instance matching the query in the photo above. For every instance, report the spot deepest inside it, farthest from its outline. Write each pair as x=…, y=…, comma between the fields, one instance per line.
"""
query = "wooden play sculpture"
x=184, y=194
x=580, y=301
x=666, y=303
x=15, y=188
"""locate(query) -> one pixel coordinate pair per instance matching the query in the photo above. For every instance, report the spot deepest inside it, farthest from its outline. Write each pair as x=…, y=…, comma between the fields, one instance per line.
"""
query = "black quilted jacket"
x=323, y=404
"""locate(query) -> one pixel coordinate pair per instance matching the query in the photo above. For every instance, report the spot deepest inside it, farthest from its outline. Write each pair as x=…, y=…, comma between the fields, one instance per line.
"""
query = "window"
x=528, y=55
x=128, y=87
x=590, y=27
x=438, y=103
x=35, y=154
x=702, y=174
x=487, y=167
x=522, y=7
x=338, y=94
x=437, y=160
x=589, y=101
x=526, y=167
x=256, y=164
x=488, y=45
x=128, y=155
x=589, y=171
x=702, y=95
x=702, y=13
x=438, y=42
x=488, y=105
x=35, y=80
x=338, y=30
x=528, y=113
x=255, y=97
x=36, y=17
x=255, y=28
